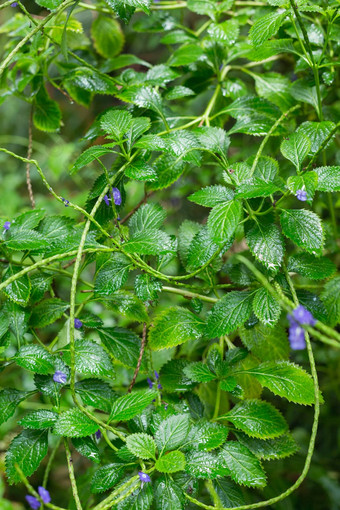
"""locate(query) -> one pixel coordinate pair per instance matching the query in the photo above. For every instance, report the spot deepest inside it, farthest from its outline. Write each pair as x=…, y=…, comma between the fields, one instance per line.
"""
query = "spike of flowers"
x=59, y=377
x=77, y=323
x=7, y=225
x=150, y=383
x=300, y=315
x=44, y=494
x=117, y=197
x=33, y=502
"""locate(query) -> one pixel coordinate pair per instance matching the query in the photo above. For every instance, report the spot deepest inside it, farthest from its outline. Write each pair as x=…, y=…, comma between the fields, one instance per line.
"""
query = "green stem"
x=190, y=295
x=71, y=475
x=109, y=501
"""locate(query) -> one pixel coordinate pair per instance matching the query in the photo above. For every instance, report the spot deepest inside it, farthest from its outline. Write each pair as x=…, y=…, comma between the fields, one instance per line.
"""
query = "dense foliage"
x=171, y=266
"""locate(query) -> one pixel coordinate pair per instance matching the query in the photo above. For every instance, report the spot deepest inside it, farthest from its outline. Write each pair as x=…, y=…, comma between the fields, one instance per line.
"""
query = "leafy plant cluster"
x=148, y=343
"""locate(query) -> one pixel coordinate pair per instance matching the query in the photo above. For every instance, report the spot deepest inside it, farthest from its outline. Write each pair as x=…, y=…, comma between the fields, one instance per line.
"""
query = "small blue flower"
x=302, y=316
x=150, y=383
x=144, y=478
x=157, y=375
x=117, y=197
x=159, y=386
x=77, y=323
x=7, y=225
x=106, y=200
x=44, y=494
x=59, y=377
x=98, y=435
x=66, y=202
x=33, y=502
x=296, y=337
x=14, y=4
x=301, y=194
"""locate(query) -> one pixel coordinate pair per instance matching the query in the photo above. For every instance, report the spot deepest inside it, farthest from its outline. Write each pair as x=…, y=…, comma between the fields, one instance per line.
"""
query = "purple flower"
x=117, y=197
x=301, y=194
x=33, y=502
x=14, y=4
x=302, y=315
x=77, y=323
x=159, y=386
x=150, y=383
x=98, y=435
x=66, y=202
x=44, y=494
x=157, y=375
x=7, y=225
x=106, y=200
x=144, y=478
x=296, y=337
x=59, y=377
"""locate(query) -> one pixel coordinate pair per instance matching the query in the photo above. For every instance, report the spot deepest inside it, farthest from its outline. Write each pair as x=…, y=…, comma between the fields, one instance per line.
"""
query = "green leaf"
x=266, y=308
x=27, y=451
x=123, y=345
x=19, y=290
x=116, y=123
x=128, y=406
x=185, y=55
x=148, y=242
x=174, y=326
x=172, y=432
x=112, y=275
x=10, y=398
x=173, y=377
x=225, y=33
x=47, y=114
x=276, y=88
x=144, y=97
x=28, y=219
x=95, y=393
x=89, y=155
x=214, y=139
x=301, y=90
x=91, y=81
x=266, y=243
x=140, y=499
x=265, y=27
x=140, y=171
x=90, y=359
x=168, y=495
x=49, y=4
x=223, y=220
x=265, y=342
x=315, y=268
x=74, y=423
x=307, y=182
x=266, y=169
x=202, y=248
x=35, y=358
x=25, y=240
x=211, y=196
x=128, y=304
x=40, y=419
x=244, y=467
x=171, y=462
x=304, y=228
x=296, y=148
x=317, y=132
x=147, y=287
x=256, y=187
x=286, y=380
x=208, y=436
x=141, y=445
x=228, y=492
x=328, y=178
x=186, y=234
x=199, y=372
x=107, y=36
x=148, y=216
x=331, y=298
x=87, y=447
x=205, y=465
x=250, y=106
x=257, y=419
x=229, y=313
x=278, y=448
x=106, y=477
x=47, y=312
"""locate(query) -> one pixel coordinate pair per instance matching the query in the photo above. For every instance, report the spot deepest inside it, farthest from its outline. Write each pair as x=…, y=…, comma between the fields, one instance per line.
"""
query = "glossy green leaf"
x=277, y=448
x=229, y=313
x=112, y=275
x=304, y=228
x=315, y=268
x=266, y=243
x=47, y=312
x=171, y=462
x=10, y=398
x=40, y=419
x=266, y=308
x=244, y=467
x=328, y=178
x=90, y=359
x=223, y=220
x=74, y=423
x=172, y=432
x=108, y=36
x=27, y=451
x=142, y=446
x=87, y=447
x=128, y=406
x=296, y=148
x=211, y=196
x=106, y=477
x=306, y=182
x=265, y=27
x=35, y=358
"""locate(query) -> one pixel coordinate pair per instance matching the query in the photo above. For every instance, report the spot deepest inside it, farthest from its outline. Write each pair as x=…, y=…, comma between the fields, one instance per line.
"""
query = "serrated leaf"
x=25, y=240
x=296, y=148
x=115, y=123
x=29, y=219
x=266, y=169
x=266, y=243
x=223, y=220
x=266, y=308
x=141, y=445
x=276, y=88
x=74, y=423
x=95, y=393
x=229, y=313
x=225, y=33
x=10, y=398
x=128, y=406
x=106, y=477
x=328, y=178
x=123, y=345
x=91, y=81
x=19, y=290
x=140, y=171
x=35, y=358
x=315, y=268
x=172, y=432
x=128, y=304
x=266, y=343
x=89, y=155
x=304, y=228
x=286, y=380
x=140, y=499
x=108, y=36
x=199, y=372
x=211, y=196
x=209, y=436
x=257, y=419
x=87, y=447
x=245, y=469
x=47, y=114
x=47, y=312
x=27, y=451
x=144, y=97
x=317, y=132
x=265, y=27
x=185, y=55
x=147, y=287
x=256, y=187
x=307, y=182
x=148, y=242
x=40, y=419
x=173, y=327
x=228, y=492
x=202, y=248
x=148, y=216
x=213, y=138
x=331, y=298
x=171, y=462
x=168, y=495
x=112, y=275
x=186, y=233
x=90, y=359
x=173, y=377
x=205, y=465
x=278, y=448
